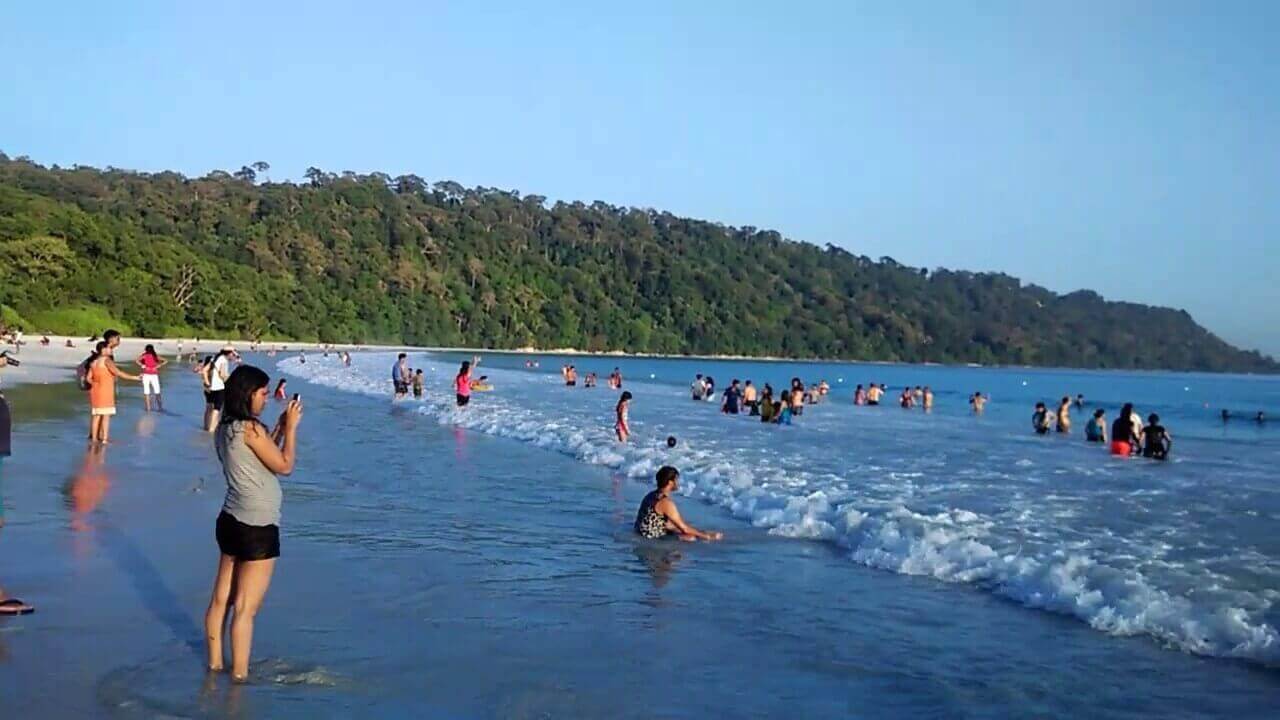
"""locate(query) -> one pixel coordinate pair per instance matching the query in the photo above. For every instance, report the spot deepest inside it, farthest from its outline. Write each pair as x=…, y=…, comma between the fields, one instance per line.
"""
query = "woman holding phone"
x=247, y=530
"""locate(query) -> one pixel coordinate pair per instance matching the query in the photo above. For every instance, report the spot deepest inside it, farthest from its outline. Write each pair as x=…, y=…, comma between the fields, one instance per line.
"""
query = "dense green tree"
x=373, y=258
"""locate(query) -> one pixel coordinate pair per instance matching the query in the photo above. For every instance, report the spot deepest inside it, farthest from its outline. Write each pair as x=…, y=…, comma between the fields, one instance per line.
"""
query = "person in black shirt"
x=1122, y=437
x=1156, y=440
x=732, y=396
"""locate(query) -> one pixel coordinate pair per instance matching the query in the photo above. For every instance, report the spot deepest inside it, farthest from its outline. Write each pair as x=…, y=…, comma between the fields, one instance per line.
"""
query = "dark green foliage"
x=365, y=258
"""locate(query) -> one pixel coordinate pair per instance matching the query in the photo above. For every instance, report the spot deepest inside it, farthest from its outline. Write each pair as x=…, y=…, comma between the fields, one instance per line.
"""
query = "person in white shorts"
x=151, y=363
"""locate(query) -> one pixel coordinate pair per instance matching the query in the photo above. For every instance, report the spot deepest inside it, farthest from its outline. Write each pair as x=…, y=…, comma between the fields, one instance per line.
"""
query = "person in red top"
x=151, y=363
x=462, y=382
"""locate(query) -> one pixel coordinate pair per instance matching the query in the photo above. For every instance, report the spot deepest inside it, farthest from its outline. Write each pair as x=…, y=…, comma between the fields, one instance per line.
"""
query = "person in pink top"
x=463, y=381
x=151, y=363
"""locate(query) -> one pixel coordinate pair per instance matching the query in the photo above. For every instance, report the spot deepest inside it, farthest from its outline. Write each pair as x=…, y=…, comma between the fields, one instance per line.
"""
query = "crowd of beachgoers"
x=254, y=455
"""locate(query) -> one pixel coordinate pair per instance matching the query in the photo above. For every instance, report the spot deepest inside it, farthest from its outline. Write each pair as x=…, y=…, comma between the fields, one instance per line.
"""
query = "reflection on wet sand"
x=87, y=487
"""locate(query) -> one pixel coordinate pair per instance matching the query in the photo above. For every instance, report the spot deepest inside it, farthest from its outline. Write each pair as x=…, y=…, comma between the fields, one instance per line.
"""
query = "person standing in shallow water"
x=101, y=375
x=462, y=381
x=1157, y=442
x=1124, y=437
x=622, y=423
x=400, y=377
x=247, y=529
x=1095, y=431
x=150, y=362
x=659, y=517
x=8, y=605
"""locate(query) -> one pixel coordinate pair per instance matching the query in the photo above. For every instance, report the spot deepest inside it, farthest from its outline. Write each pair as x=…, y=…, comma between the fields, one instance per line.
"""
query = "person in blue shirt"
x=400, y=377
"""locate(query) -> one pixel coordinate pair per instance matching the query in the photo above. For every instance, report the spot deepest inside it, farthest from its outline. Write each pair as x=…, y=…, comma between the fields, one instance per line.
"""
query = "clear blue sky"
x=1128, y=147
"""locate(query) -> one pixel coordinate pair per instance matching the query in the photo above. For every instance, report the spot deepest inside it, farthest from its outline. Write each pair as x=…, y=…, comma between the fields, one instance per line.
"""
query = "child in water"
x=417, y=383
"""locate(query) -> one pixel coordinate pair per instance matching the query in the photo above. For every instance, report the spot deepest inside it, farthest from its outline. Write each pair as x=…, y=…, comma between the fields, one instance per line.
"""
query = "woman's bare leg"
x=215, y=618
x=104, y=430
x=252, y=578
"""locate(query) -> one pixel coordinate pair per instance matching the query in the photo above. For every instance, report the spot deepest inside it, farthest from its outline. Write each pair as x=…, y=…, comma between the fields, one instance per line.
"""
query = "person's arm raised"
x=279, y=459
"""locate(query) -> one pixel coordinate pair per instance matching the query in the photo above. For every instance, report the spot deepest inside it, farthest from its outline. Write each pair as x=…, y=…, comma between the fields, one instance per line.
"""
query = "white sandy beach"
x=56, y=362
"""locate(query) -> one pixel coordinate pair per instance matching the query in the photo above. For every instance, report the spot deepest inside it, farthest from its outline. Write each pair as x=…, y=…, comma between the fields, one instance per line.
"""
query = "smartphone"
x=297, y=397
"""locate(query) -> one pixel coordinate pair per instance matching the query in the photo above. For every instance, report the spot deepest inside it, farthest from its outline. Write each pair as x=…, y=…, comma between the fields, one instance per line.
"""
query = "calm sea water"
x=480, y=563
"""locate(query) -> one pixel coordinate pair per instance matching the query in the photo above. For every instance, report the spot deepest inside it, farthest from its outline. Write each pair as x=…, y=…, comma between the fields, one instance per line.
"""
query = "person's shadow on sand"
x=85, y=493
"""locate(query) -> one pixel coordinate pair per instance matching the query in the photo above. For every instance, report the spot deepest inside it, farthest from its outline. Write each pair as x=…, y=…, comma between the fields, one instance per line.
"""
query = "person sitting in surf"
x=659, y=517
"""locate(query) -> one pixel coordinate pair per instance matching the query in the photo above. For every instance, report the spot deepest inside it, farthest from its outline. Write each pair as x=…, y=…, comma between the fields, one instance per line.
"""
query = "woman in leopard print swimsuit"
x=658, y=516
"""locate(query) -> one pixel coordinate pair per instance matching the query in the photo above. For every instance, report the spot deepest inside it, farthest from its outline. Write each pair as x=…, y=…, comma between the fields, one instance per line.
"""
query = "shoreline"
x=56, y=362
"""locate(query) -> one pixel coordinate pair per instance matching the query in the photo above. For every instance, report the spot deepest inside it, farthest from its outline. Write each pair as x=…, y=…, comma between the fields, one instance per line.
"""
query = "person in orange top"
x=101, y=375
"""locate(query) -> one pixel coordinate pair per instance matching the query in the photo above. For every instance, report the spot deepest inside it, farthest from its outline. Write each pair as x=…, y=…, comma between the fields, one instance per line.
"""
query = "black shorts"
x=463, y=400
x=247, y=542
x=401, y=388
x=214, y=398
x=417, y=392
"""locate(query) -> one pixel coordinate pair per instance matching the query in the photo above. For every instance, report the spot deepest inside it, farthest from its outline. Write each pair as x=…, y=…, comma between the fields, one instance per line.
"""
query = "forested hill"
x=363, y=258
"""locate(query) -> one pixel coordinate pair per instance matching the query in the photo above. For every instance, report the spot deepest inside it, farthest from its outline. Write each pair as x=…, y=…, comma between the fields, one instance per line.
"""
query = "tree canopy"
x=365, y=258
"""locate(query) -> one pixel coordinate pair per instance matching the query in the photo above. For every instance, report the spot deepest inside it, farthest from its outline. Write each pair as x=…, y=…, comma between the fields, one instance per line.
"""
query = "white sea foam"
x=1024, y=545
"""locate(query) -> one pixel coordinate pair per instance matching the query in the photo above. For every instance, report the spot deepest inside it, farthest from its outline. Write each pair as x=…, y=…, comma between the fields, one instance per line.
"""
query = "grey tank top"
x=253, y=492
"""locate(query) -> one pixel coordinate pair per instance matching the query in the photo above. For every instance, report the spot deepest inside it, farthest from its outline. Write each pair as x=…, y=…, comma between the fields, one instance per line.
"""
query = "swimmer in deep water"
x=978, y=402
x=621, y=425
x=659, y=517
x=1156, y=441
